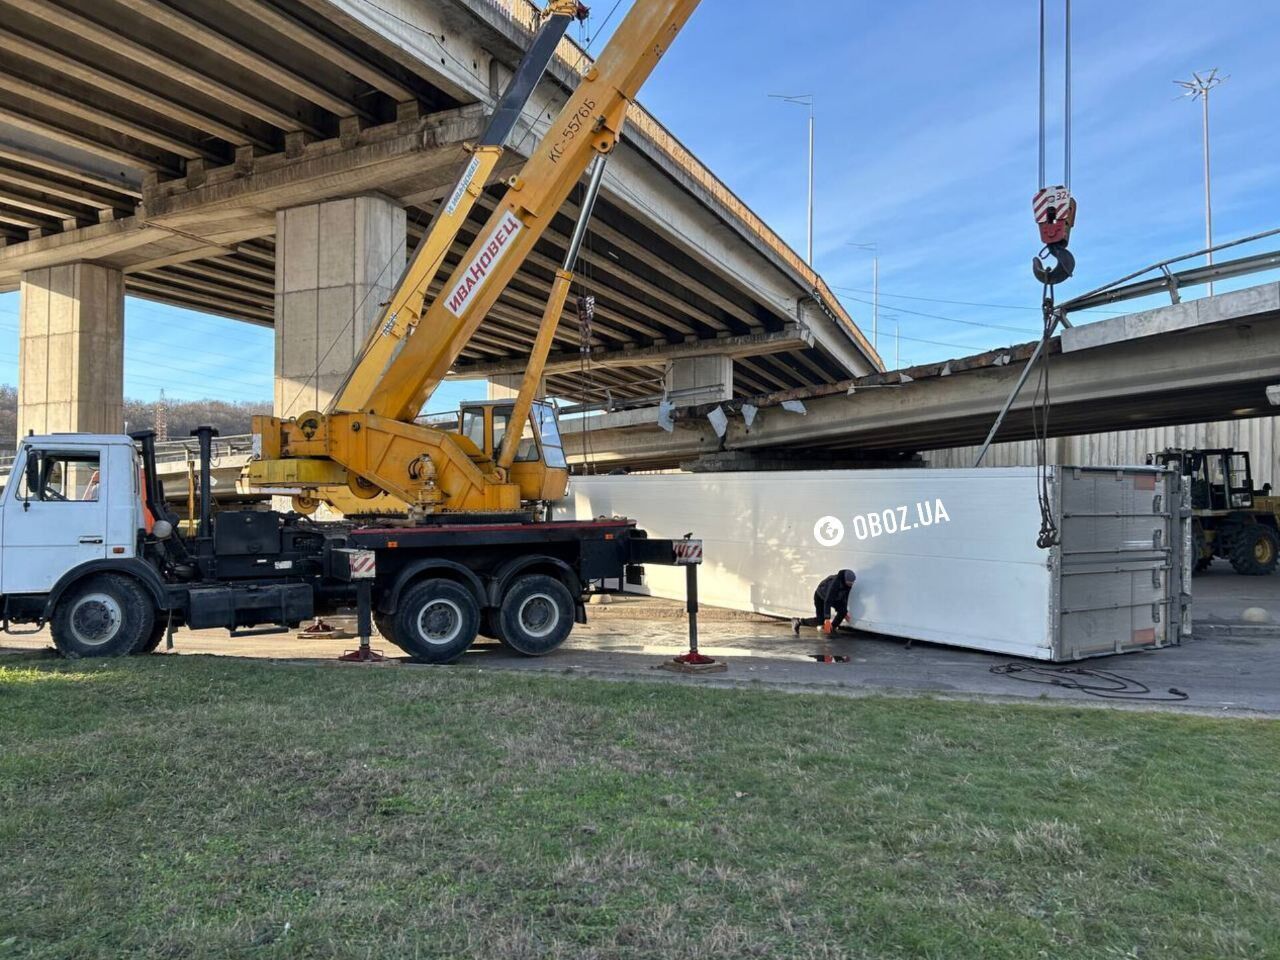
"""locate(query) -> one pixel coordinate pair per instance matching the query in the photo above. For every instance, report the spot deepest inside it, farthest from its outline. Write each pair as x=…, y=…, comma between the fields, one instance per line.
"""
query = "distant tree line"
x=179, y=417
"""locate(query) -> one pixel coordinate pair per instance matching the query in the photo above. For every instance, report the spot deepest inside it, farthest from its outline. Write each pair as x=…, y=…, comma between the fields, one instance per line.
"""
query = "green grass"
x=189, y=807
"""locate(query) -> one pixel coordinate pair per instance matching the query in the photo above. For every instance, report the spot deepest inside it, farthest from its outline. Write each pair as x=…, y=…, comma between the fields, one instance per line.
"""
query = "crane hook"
x=1064, y=264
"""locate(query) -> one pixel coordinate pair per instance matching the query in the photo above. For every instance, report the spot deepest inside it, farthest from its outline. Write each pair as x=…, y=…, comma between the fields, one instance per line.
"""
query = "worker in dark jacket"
x=830, y=600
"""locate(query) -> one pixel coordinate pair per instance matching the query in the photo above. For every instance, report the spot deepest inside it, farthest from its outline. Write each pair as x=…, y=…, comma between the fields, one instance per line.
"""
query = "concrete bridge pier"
x=71, y=350
x=336, y=263
x=507, y=386
x=694, y=380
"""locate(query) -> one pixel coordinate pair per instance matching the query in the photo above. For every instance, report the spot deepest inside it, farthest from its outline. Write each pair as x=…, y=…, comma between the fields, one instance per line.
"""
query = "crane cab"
x=540, y=468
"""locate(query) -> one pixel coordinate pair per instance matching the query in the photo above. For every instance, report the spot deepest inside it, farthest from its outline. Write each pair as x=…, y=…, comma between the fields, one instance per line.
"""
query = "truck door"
x=55, y=516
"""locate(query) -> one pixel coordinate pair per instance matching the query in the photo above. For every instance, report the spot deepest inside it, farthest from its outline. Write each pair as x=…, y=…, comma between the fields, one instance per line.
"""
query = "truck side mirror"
x=33, y=477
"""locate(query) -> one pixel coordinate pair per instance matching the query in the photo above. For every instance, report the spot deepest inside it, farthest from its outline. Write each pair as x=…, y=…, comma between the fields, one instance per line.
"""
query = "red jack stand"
x=364, y=627
x=318, y=629
x=363, y=654
x=693, y=661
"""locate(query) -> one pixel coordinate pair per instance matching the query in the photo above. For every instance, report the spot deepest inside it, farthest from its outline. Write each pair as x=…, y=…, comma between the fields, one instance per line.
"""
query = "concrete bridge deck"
x=1204, y=360
x=170, y=140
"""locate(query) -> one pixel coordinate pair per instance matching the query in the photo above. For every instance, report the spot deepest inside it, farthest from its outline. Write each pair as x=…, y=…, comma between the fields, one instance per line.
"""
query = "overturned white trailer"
x=948, y=556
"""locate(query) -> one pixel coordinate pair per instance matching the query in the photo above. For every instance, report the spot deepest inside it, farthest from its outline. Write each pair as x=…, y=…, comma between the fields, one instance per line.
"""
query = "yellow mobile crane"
x=366, y=443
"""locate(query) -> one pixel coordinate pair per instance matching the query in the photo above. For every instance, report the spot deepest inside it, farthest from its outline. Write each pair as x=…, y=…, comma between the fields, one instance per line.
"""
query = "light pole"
x=875, y=291
x=804, y=100
x=1198, y=88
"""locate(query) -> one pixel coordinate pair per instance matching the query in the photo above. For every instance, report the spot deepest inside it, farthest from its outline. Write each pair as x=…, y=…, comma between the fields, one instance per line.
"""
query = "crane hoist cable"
x=1055, y=214
x=1053, y=206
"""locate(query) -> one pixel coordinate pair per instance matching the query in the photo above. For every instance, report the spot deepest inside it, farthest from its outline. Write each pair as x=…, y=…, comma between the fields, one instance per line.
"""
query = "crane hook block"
x=1055, y=211
x=1064, y=264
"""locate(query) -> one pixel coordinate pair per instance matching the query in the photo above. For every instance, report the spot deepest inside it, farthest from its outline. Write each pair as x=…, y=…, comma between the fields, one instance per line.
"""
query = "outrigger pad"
x=692, y=663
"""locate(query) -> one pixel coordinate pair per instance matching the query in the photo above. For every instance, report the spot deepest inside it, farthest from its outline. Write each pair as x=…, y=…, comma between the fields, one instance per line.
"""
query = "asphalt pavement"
x=1231, y=666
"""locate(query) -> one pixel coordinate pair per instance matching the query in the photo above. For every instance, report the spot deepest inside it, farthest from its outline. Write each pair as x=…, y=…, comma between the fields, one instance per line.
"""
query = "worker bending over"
x=830, y=601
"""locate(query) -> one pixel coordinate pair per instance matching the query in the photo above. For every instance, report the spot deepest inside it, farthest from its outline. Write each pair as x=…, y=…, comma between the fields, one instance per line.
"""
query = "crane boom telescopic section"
x=589, y=124
x=368, y=441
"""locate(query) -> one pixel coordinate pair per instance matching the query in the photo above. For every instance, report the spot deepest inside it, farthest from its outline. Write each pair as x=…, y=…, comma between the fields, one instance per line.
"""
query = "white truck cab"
x=71, y=499
x=71, y=516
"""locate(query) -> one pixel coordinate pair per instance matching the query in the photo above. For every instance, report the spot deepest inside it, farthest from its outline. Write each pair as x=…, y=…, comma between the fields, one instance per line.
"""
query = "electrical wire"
x=1105, y=684
x=935, y=316
x=959, y=303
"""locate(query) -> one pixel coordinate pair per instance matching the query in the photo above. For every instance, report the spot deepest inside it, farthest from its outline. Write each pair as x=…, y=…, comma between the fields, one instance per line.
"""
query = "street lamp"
x=804, y=100
x=1198, y=88
x=875, y=291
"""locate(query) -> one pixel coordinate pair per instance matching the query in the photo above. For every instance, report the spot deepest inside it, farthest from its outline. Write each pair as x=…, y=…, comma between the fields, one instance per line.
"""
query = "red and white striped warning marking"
x=1056, y=198
x=364, y=564
x=688, y=551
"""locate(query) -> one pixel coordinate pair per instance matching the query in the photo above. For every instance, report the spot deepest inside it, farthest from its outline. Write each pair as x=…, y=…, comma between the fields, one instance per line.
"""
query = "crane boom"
x=368, y=440
x=589, y=123
x=405, y=308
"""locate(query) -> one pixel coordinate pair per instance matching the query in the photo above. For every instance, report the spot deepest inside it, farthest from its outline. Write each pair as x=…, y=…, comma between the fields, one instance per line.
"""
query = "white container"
x=947, y=556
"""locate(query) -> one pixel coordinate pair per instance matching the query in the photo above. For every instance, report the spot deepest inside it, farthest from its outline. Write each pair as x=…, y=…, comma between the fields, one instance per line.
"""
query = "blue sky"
x=926, y=146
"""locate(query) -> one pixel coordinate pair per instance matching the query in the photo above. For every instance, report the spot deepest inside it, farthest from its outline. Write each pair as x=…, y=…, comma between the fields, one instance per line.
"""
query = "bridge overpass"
x=276, y=161
x=1202, y=360
x=1205, y=360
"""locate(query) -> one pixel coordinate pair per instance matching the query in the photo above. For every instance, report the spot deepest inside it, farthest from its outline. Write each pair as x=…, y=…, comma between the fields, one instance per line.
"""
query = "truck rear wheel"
x=386, y=626
x=489, y=626
x=103, y=616
x=436, y=621
x=1255, y=550
x=536, y=615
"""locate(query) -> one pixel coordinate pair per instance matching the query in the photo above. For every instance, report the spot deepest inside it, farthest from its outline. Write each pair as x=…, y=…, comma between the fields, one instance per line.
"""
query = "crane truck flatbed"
x=90, y=548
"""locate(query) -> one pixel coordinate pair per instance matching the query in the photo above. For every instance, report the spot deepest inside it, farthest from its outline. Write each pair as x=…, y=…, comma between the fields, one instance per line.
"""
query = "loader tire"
x=106, y=615
x=1204, y=556
x=536, y=615
x=436, y=621
x=1255, y=550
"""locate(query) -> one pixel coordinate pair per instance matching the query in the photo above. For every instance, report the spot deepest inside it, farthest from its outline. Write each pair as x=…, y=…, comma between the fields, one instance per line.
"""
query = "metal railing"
x=176, y=451
x=1171, y=283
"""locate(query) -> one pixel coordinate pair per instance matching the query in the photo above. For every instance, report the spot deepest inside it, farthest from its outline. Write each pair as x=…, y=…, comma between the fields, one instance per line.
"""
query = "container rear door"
x=1119, y=565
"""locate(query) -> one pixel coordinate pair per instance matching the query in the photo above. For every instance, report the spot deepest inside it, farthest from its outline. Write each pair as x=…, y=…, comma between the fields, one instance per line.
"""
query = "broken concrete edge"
x=1002, y=356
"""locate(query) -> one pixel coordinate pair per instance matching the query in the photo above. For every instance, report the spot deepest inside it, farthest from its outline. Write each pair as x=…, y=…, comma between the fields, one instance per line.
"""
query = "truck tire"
x=436, y=621
x=536, y=614
x=489, y=626
x=102, y=616
x=153, y=639
x=386, y=626
x=1255, y=550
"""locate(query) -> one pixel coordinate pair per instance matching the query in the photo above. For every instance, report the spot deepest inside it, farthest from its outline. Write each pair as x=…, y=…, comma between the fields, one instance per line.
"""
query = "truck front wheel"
x=103, y=616
x=436, y=621
x=536, y=615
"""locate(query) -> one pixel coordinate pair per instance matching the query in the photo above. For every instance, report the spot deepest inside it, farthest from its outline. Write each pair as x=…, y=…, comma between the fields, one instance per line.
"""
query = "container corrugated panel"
x=947, y=556
x=1119, y=564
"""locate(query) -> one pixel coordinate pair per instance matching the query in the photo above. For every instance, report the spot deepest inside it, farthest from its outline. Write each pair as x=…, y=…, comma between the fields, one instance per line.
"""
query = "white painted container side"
x=947, y=556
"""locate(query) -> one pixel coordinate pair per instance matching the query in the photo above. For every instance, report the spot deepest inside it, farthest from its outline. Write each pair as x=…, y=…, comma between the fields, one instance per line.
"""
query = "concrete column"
x=695, y=380
x=507, y=387
x=71, y=350
x=336, y=263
